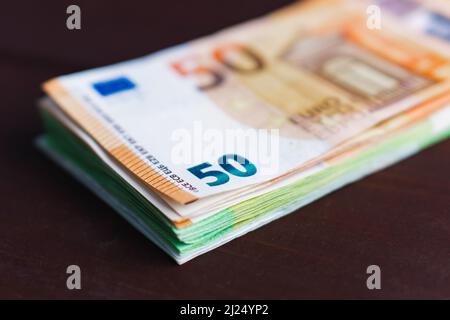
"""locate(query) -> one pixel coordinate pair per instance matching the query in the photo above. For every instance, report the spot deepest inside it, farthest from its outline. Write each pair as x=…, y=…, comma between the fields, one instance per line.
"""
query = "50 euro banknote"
x=313, y=75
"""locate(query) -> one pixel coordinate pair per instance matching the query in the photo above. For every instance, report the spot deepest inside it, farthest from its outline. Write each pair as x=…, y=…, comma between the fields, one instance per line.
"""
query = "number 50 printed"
x=231, y=163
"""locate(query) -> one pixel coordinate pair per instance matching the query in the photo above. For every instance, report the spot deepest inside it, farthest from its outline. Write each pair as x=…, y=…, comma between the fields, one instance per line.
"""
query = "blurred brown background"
x=398, y=219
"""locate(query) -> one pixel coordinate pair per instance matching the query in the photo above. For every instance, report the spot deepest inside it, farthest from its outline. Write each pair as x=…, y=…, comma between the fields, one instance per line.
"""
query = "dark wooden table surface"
x=398, y=219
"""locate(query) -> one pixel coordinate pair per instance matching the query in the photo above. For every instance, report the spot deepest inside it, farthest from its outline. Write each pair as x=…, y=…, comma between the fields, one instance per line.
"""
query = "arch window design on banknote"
x=343, y=101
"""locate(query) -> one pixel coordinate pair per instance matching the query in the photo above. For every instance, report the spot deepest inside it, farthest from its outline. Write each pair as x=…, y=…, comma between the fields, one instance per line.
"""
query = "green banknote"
x=203, y=142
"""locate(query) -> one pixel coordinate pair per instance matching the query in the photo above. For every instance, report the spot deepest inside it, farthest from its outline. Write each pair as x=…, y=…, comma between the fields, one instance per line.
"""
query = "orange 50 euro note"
x=225, y=121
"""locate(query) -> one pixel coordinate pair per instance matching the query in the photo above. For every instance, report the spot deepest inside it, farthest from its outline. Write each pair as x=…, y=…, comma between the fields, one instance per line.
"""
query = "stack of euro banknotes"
x=200, y=143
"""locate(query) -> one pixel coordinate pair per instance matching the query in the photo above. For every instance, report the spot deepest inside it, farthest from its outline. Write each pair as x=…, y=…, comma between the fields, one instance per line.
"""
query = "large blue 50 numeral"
x=222, y=177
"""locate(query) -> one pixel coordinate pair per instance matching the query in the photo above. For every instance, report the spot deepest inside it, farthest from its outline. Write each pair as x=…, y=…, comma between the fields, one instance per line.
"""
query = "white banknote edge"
x=376, y=164
x=196, y=211
x=48, y=105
